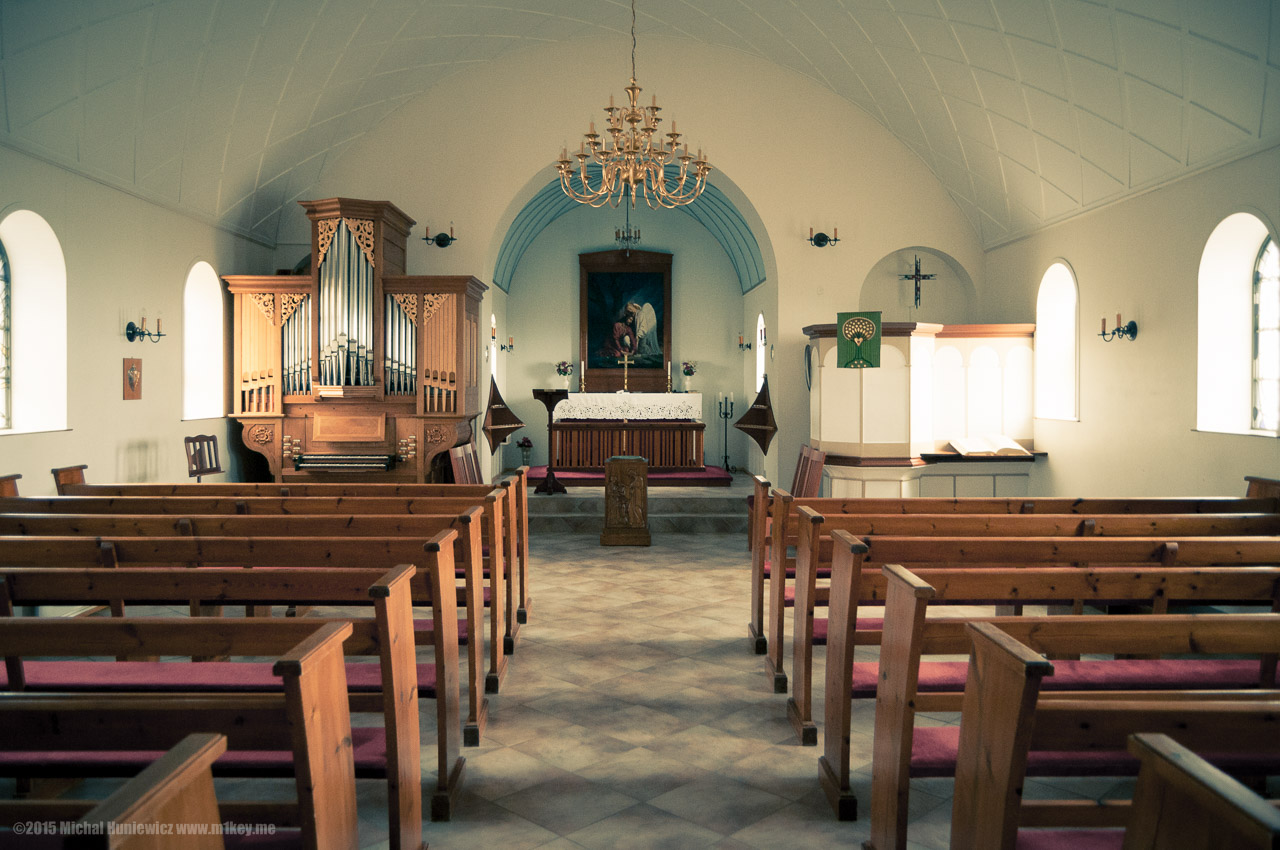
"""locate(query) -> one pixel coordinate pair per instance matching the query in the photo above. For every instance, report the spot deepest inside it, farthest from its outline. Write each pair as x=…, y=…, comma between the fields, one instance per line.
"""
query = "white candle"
x=730, y=398
x=720, y=398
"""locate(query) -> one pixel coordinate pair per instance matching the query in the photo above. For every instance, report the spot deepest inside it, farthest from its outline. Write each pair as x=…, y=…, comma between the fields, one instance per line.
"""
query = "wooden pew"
x=390, y=687
x=419, y=526
x=904, y=685
x=70, y=481
x=309, y=553
x=1005, y=726
x=814, y=548
x=1181, y=799
x=54, y=734
x=766, y=550
x=495, y=519
x=176, y=788
x=902, y=678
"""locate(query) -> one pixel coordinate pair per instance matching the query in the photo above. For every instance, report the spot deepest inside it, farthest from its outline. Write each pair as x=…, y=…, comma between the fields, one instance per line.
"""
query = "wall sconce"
x=1129, y=331
x=822, y=240
x=139, y=332
x=441, y=239
x=743, y=346
x=511, y=344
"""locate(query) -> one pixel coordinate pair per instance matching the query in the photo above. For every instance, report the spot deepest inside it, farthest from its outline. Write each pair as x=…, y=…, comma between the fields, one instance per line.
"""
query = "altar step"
x=581, y=512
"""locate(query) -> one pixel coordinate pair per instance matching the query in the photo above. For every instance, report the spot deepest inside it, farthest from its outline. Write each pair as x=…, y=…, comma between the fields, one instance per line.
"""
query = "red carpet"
x=712, y=476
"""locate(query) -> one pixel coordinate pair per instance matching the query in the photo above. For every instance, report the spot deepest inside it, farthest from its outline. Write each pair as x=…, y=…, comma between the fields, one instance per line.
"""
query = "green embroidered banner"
x=858, y=340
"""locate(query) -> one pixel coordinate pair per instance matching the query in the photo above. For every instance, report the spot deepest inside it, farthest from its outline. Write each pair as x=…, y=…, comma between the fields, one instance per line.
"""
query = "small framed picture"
x=132, y=378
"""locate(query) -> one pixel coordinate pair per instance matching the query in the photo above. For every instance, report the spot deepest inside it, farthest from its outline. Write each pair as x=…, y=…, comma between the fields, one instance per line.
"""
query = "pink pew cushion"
x=1070, y=839
x=1164, y=673
x=362, y=677
x=871, y=624
x=369, y=746
x=464, y=629
x=934, y=748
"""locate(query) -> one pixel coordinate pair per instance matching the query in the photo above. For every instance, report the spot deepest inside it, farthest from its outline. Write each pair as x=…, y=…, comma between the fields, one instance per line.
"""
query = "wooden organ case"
x=355, y=369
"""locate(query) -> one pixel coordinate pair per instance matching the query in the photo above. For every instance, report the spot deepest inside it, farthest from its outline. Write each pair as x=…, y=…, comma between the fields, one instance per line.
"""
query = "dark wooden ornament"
x=758, y=422
x=499, y=421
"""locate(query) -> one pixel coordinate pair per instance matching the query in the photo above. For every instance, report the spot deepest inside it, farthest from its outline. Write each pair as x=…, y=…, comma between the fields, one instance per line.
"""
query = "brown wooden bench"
x=813, y=536
x=770, y=548
x=1006, y=730
x=1181, y=798
x=904, y=685
x=176, y=788
x=44, y=734
x=494, y=518
x=308, y=553
x=419, y=526
x=70, y=481
x=390, y=687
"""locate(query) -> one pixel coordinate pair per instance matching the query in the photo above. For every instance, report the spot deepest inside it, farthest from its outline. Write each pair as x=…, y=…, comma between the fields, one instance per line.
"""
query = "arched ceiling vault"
x=1028, y=111
x=712, y=210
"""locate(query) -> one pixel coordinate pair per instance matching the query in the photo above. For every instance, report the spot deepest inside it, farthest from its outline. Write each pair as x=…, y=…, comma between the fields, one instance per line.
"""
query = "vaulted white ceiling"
x=1028, y=111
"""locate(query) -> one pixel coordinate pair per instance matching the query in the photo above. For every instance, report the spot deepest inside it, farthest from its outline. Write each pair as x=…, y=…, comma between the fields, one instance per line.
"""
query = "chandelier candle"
x=635, y=159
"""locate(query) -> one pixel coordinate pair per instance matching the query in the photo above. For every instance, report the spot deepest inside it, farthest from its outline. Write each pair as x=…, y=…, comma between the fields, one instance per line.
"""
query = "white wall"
x=122, y=255
x=1141, y=258
x=802, y=157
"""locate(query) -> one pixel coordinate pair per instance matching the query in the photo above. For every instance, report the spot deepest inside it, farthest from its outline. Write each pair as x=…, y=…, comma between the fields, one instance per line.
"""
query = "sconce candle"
x=1123, y=331
x=138, y=332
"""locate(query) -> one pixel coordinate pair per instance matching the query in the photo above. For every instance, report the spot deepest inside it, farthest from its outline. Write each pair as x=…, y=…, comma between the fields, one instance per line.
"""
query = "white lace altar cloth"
x=616, y=406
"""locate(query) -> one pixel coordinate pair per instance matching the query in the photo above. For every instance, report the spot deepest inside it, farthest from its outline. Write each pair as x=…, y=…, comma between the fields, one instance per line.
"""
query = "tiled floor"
x=636, y=715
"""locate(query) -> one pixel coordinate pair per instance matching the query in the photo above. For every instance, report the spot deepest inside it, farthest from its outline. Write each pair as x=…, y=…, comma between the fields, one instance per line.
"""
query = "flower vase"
x=524, y=455
x=564, y=381
x=688, y=383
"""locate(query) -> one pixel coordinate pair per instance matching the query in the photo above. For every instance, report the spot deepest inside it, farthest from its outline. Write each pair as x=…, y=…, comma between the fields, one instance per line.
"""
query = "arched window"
x=1057, y=332
x=761, y=342
x=37, y=352
x=492, y=354
x=1236, y=361
x=1266, y=338
x=6, y=399
x=203, y=359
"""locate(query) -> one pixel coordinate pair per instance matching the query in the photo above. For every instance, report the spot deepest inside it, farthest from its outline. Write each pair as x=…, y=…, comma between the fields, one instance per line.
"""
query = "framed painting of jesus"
x=625, y=320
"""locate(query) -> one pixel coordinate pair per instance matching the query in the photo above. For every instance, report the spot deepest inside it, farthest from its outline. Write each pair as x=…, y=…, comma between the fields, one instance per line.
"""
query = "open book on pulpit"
x=987, y=445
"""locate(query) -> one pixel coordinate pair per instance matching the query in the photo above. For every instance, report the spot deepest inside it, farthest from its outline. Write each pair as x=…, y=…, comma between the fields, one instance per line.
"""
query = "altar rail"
x=668, y=446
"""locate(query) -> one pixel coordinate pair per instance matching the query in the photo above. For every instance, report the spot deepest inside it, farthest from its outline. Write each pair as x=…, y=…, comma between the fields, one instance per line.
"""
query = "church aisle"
x=635, y=715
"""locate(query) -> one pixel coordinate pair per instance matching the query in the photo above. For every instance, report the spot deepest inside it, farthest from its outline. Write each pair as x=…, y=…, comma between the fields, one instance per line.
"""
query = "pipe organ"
x=355, y=367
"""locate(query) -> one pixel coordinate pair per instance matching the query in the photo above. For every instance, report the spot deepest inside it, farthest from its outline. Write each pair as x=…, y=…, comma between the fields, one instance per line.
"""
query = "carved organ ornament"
x=356, y=340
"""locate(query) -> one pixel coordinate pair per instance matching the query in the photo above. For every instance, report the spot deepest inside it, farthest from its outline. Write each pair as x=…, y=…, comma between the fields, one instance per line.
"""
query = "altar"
x=665, y=428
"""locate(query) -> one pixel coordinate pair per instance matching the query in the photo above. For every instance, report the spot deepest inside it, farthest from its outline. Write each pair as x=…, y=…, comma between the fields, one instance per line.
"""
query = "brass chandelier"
x=634, y=160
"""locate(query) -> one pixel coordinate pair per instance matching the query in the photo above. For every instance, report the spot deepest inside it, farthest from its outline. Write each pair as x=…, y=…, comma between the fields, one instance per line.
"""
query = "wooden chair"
x=466, y=466
x=1262, y=488
x=202, y=456
x=9, y=485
